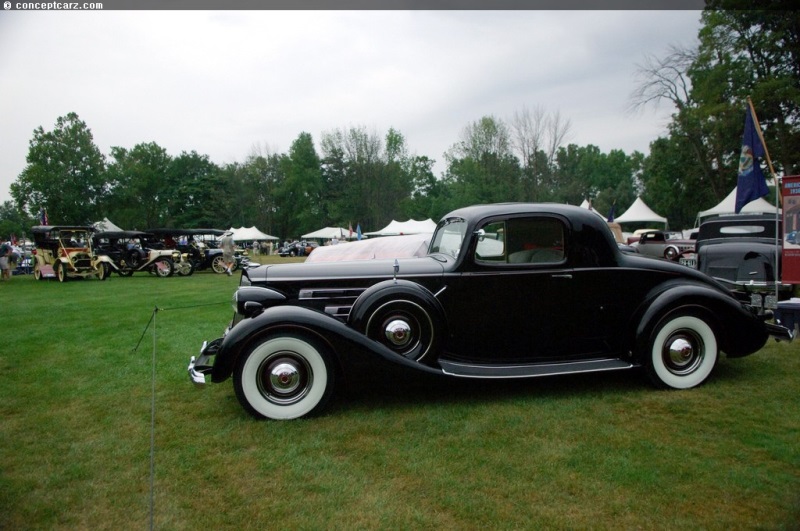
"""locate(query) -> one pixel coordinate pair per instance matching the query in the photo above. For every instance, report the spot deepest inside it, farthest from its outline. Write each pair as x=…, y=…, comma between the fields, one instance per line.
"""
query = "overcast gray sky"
x=224, y=82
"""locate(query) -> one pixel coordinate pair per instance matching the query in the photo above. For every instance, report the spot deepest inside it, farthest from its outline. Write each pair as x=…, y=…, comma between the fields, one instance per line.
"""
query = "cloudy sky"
x=225, y=82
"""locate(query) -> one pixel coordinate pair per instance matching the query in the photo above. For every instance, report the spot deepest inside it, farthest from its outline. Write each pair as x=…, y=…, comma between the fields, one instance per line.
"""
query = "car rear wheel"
x=683, y=352
x=284, y=377
x=37, y=272
x=218, y=264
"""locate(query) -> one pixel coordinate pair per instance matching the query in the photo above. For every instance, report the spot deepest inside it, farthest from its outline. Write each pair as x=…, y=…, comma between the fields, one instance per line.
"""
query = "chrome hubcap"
x=398, y=332
x=682, y=353
x=284, y=378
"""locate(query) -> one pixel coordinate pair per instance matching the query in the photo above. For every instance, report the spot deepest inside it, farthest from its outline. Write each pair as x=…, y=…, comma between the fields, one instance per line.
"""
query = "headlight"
x=252, y=300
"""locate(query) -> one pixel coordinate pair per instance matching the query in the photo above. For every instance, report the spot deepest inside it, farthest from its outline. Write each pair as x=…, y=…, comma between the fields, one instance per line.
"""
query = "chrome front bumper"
x=780, y=333
x=203, y=364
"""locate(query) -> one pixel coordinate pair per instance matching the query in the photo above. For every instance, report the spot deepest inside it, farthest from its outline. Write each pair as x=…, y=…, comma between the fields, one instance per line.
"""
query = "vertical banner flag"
x=790, y=190
x=358, y=231
x=751, y=183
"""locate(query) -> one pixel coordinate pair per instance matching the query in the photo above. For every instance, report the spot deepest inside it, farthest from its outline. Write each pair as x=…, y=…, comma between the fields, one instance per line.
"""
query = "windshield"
x=448, y=237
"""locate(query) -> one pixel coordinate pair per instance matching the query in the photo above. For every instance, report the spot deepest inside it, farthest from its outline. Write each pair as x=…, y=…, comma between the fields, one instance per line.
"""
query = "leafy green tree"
x=301, y=192
x=14, y=221
x=367, y=180
x=138, y=186
x=746, y=49
x=65, y=174
x=673, y=181
x=196, y=194
x=254, y=186
x=481, y=166
x=752, y=48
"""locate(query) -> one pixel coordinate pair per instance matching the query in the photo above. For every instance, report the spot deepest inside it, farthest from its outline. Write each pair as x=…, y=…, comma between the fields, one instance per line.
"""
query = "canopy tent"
x=329, y=233
x=728, y=206
x=243, y=234
x=639, y=212
x=105, y=226
x=587, y=204
x=396, y=228
x=373, y=249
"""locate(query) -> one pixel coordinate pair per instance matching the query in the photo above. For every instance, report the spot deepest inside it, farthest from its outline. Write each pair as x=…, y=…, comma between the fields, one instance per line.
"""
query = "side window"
x=491, y=243
x=522, y=241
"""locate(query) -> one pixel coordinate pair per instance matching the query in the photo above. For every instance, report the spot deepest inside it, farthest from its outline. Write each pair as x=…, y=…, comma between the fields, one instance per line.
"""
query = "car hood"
x=372, y=269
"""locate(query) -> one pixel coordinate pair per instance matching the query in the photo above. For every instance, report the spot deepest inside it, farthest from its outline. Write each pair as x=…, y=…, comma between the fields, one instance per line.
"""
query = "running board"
x=465, y=370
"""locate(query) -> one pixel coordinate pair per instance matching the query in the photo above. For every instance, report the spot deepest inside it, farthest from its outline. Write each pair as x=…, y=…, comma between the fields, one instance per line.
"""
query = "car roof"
x=121, y=234
x=476, y=212
x=48, y=228
x=186, y=232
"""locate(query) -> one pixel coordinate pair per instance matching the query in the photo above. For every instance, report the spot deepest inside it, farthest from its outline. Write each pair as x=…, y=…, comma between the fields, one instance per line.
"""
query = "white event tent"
x=329, y=233
x=105, y=226
x=587, y=204
x=728, y=206
x=397, y=228
x=245, y=234
x=639, y=212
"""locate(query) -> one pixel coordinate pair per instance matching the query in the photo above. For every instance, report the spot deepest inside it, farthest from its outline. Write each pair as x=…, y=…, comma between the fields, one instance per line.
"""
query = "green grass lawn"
x=597, y=451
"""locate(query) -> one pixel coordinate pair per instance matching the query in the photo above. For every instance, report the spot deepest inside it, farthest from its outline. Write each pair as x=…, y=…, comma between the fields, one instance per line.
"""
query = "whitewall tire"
x=682, y=353
x=284, y=377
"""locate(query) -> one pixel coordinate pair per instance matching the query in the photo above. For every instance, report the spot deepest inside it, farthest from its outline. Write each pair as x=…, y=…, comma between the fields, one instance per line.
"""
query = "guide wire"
x=152, y=321
x=153, y=428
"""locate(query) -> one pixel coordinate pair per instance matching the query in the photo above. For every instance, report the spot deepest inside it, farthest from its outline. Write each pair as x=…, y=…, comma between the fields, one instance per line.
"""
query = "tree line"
x=356, y=176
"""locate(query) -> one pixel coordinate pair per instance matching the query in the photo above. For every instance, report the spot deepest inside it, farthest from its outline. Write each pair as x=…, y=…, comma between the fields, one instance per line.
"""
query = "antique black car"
x=505, y=291
x=297, y=248
x=129, y=251
x=742, y=250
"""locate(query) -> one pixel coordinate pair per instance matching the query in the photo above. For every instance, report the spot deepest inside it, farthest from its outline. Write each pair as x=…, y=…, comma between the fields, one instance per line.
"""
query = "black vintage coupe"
x=505, y=291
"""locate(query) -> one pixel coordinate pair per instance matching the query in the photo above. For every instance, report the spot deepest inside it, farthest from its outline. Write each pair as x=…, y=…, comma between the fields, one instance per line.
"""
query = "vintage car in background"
x=504, y=291
x=200, y=246
x=130, y=251
x=301, y=248
x=740, y=250
x=663, y=244
x=66, y=252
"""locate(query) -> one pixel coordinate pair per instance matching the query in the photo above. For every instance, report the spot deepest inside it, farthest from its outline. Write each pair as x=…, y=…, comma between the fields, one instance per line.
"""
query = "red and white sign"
x=790, y=191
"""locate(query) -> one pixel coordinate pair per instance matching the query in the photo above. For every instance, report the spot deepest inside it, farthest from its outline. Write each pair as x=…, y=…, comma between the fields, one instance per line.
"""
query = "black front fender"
x=350, y=347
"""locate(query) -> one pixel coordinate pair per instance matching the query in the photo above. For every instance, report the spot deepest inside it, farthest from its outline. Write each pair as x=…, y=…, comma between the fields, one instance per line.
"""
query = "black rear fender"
x=739, y=332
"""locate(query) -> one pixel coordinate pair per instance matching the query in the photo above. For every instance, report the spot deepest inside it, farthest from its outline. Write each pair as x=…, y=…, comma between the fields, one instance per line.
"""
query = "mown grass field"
x=602, y=451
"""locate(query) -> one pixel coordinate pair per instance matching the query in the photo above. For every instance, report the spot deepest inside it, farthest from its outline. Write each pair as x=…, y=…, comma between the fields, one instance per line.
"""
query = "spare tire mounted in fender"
x=401, y=315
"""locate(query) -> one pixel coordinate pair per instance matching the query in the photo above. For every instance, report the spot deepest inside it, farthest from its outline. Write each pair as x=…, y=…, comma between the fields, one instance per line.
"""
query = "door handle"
x=564, y=275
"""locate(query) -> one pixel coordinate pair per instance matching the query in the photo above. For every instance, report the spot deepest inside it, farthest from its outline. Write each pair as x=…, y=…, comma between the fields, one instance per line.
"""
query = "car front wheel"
x=163, y=267
x=103, y=270
x=284, y=377
x=61, y=271
x=683, y=352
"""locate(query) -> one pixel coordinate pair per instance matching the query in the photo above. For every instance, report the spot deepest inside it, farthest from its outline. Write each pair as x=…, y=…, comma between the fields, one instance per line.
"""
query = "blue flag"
x=751, y=183
x=358, y=231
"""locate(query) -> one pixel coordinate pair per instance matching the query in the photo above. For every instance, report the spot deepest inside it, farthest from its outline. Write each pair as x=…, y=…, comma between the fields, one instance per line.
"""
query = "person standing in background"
x=228, y=247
